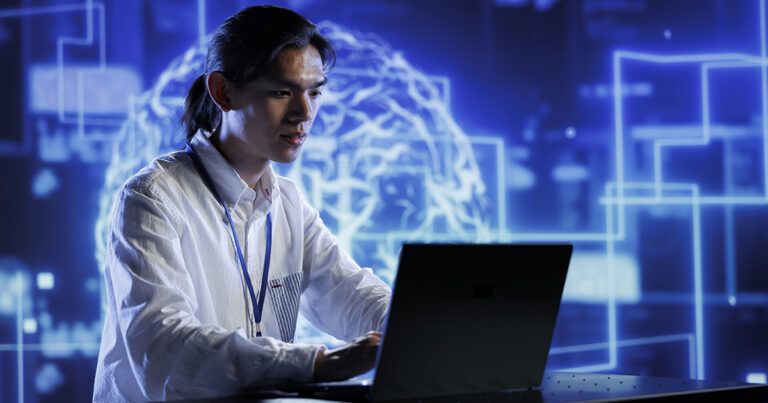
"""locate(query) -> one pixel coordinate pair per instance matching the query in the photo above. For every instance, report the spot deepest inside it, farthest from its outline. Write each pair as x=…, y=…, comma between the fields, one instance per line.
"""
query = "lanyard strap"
x=258, y=308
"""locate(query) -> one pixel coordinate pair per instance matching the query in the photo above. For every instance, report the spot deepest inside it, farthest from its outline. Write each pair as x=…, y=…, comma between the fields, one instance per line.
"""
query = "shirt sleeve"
x=171, y=353
x=341, y=298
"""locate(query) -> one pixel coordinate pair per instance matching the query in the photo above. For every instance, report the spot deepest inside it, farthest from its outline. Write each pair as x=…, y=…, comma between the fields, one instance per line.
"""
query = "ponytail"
x=200, y=113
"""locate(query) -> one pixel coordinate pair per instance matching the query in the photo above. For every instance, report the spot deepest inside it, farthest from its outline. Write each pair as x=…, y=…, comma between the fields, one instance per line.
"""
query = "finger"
x=359, y=340
x=369, y=341
x=368, y=338
x=374, y=341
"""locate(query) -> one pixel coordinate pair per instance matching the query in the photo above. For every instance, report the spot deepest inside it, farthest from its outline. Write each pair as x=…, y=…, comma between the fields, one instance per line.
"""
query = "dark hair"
x=244, y=48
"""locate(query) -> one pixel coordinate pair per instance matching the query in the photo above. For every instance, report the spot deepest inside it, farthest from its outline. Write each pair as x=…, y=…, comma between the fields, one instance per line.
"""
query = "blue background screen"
x=635, y=129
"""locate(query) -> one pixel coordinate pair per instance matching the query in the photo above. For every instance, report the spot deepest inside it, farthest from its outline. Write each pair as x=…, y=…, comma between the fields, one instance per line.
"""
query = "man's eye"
x=280, y=93
x=315, y=94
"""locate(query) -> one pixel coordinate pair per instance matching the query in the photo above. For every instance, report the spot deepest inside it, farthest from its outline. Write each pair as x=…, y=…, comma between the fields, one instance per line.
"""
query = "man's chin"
x=286, y=158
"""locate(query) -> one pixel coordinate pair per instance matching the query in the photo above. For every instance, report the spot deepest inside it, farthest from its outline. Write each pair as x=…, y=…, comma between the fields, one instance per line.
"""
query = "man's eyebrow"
x=290, y=83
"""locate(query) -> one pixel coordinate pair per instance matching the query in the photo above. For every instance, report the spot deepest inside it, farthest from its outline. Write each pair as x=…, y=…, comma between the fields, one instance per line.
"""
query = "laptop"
x=464, y=319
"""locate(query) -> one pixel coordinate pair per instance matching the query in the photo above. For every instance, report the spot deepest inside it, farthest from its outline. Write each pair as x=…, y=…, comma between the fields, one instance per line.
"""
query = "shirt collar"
x=229, y=184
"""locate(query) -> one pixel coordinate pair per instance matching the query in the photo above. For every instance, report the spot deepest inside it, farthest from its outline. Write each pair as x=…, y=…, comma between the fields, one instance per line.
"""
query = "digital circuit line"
x=89, y=6
x=618, y=137
x=68, y=347
x=642, y=341
x=63, y=42
x=729, y=236
x=706, y=61
x=764, y=92
x=696, y=251
x=43, y=10
x=730, y=256
x=201, y=34
x=19, y=335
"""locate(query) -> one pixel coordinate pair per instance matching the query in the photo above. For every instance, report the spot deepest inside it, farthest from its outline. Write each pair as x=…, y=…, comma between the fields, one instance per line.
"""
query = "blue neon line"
x=657, y=145
x=102, y=37
x=658, y=169
x=612, y=322
x=612, y=318
x=730, y=255
x=554, y=237
x=25, y=12
x=732, y=64
x=641, y=341
x=201, y=23
x=710, y=298
x=51, y=346
x=705, y=201
x=60, y=74
x=705, y=114
x=609, y=188
x=618, y=119
x=102, y=67
x=683, y=186
x=688, y=134
x=697, y=272
x=701, y=200
x=681, y=142
x=89, y=8
x=80, y=106
x=687, y=58
x=590, y=368
x=686, y=337
x=501, y=182
x=19, y=336
x=697, y=269
x=394, y=236
x=729, y=238
x=691, y=356
x=725, y=60
x=116, y=122
x=698, y=287
x=657, y=178
x=764, y=87
x=89, y=19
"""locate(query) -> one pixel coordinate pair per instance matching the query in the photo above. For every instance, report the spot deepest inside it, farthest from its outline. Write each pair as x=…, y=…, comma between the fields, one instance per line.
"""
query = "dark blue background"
x=536, y=77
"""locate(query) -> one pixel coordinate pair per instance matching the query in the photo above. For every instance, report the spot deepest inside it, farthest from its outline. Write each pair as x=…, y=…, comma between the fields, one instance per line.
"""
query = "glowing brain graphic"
x=385, y=162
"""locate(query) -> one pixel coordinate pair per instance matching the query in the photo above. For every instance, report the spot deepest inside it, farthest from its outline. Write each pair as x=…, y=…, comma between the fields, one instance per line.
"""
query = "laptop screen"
x=470, y=318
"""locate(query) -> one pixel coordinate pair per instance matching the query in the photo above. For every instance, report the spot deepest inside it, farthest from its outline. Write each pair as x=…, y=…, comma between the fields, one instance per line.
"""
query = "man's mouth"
x=295, y=139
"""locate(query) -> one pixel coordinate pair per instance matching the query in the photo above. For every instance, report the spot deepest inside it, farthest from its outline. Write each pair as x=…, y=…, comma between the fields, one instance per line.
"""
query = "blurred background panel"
x=635, y=129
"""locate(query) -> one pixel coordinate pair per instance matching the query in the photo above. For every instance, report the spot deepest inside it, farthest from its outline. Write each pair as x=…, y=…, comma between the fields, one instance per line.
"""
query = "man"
x=209, y=251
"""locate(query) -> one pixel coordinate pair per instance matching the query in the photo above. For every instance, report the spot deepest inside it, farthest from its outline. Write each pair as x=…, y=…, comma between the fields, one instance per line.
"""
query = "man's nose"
x=300, y=110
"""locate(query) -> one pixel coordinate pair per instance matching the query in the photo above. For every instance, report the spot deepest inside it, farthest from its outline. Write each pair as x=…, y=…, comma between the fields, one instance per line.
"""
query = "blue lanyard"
x=257, y=307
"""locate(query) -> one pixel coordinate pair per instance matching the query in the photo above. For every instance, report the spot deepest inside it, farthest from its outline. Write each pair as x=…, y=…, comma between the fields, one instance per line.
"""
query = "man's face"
x=273, y=115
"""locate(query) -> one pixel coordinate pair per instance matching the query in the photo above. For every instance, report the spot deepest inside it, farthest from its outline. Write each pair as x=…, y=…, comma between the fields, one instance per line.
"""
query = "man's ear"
x=218, y=89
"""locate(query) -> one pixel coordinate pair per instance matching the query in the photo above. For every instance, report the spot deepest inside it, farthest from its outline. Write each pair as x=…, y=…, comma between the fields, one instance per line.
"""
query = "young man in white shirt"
x=209, y=252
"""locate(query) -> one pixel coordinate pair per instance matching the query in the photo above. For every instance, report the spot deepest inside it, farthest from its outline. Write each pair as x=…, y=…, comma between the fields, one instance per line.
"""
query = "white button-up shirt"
x=179, y=320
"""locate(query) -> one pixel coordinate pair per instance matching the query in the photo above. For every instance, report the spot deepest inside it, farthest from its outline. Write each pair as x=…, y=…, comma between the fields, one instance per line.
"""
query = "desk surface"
x=570, y=387
x=559, y=387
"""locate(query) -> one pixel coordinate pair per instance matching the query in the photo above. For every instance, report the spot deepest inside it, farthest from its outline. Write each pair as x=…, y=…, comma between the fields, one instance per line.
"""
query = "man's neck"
x=234, y=151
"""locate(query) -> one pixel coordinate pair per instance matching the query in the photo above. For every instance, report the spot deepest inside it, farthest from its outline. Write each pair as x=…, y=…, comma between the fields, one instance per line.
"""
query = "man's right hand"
x=355, y=358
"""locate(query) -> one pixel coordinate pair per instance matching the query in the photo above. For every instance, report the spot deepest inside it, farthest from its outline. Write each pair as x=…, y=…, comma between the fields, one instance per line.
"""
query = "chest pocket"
x=285, y=293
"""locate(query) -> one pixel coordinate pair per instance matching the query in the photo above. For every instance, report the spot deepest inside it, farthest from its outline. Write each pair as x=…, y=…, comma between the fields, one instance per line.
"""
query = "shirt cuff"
x=297, y=362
